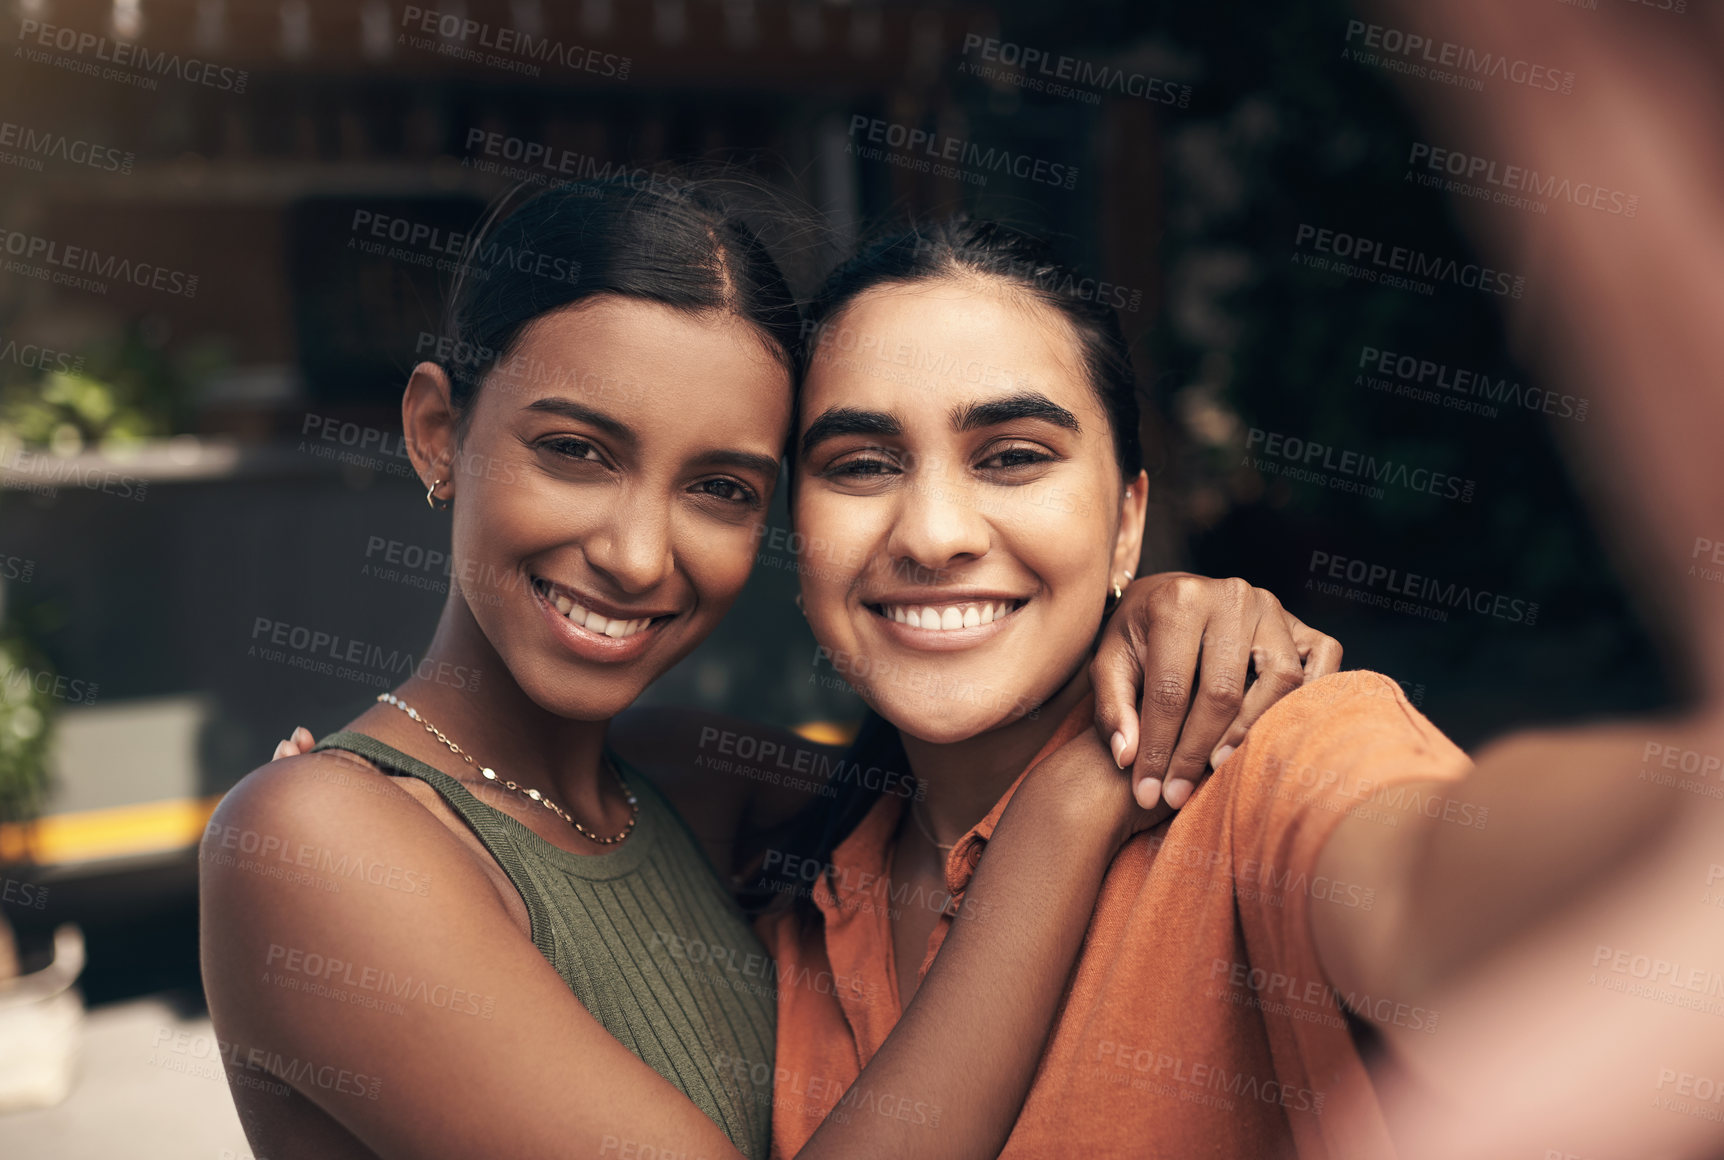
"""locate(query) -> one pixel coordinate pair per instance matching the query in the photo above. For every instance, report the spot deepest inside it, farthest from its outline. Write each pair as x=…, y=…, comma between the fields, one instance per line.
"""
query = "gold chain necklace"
x=916, y=816
x=490, y=774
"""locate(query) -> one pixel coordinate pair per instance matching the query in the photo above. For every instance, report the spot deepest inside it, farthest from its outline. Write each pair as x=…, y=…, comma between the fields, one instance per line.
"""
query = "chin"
x=942, y=721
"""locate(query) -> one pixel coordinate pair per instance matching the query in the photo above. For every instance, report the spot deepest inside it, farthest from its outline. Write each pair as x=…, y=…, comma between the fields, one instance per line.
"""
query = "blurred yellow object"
x=93, y=835
x=828, y=732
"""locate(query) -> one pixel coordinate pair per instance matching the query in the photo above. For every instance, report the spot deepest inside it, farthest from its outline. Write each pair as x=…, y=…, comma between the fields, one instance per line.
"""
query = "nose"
x=938, y=525
x=631, y=545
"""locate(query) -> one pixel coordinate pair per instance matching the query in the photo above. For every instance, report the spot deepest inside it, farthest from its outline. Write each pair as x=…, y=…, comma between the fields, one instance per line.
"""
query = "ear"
x=1128, y=542
x=428, y=425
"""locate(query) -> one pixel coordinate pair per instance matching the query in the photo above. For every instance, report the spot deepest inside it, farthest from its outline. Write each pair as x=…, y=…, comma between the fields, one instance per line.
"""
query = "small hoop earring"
x=430, y=502
x=799, y=607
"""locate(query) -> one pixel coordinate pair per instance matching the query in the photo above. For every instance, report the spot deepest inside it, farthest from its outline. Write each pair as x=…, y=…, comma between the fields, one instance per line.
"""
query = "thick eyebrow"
x=742, y=461
x=1024, y=405
x=836, y=421
x=569, y=409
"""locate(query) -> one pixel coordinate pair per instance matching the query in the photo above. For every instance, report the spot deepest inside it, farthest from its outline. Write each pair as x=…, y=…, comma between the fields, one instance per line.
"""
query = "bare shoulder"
x=325, y=834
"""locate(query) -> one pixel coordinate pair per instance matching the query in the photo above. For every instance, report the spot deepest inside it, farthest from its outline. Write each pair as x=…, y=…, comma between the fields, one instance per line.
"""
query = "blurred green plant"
x=128, y=389
x=26, y=726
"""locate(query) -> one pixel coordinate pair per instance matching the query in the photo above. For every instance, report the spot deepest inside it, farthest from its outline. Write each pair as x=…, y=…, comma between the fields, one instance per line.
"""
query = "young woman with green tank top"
x=462, y=926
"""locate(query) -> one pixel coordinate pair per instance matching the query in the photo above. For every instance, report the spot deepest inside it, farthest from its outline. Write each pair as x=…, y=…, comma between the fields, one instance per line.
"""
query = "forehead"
x=923, y=348
x=649, y=365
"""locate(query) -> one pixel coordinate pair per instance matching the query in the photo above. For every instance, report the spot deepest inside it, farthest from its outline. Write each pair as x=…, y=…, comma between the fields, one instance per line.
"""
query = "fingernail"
x=1220, y=755
x=1118, y=747
x=301, y=736
x=1178, y=793
x=1148, y=792
x=279, y=746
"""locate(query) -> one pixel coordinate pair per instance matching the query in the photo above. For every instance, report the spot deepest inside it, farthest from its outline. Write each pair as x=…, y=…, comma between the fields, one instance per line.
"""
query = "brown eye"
x=571, y=448
x=728, y=490
x=1014, y=457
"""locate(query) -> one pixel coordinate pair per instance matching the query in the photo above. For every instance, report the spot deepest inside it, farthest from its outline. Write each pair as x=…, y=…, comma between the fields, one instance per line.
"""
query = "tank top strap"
x=486, y=823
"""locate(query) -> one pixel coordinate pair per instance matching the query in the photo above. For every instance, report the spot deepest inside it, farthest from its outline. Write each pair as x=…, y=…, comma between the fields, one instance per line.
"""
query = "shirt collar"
x=966, y=854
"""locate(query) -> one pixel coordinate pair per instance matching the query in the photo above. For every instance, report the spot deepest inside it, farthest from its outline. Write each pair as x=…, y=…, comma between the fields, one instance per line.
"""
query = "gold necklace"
x=916, y=816
x=490, y=774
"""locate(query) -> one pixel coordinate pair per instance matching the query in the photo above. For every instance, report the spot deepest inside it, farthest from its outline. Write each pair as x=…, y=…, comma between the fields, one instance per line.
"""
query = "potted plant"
x=41, y=1013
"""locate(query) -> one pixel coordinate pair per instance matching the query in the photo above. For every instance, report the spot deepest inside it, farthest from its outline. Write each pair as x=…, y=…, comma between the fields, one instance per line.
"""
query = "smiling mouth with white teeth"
x=595, y=622
x=947, y=617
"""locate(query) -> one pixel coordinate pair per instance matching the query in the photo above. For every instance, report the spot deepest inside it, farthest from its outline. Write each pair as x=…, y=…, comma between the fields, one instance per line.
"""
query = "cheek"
x=718, y=563
x=829, y=544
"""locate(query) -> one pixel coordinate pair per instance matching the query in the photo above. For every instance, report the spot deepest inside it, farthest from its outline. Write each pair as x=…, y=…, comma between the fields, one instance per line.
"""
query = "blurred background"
x=226, y=227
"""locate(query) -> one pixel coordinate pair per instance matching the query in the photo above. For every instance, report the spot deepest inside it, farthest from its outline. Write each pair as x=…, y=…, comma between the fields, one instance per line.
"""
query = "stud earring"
x=431, y=502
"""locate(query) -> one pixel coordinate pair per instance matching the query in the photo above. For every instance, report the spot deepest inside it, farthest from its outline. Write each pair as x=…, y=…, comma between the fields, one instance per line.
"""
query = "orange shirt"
x=1198, y=1021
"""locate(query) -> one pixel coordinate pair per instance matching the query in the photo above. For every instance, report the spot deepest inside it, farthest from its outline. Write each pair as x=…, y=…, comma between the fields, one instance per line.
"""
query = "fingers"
x=1275, y=657
x=1169, y=662
x=1321, y=651
x=1220, y=695
x=1116, y=676
x=298, y=742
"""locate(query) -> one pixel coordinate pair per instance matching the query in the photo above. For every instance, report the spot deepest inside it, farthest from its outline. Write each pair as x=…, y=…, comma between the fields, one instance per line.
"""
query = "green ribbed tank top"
x=647, y=937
